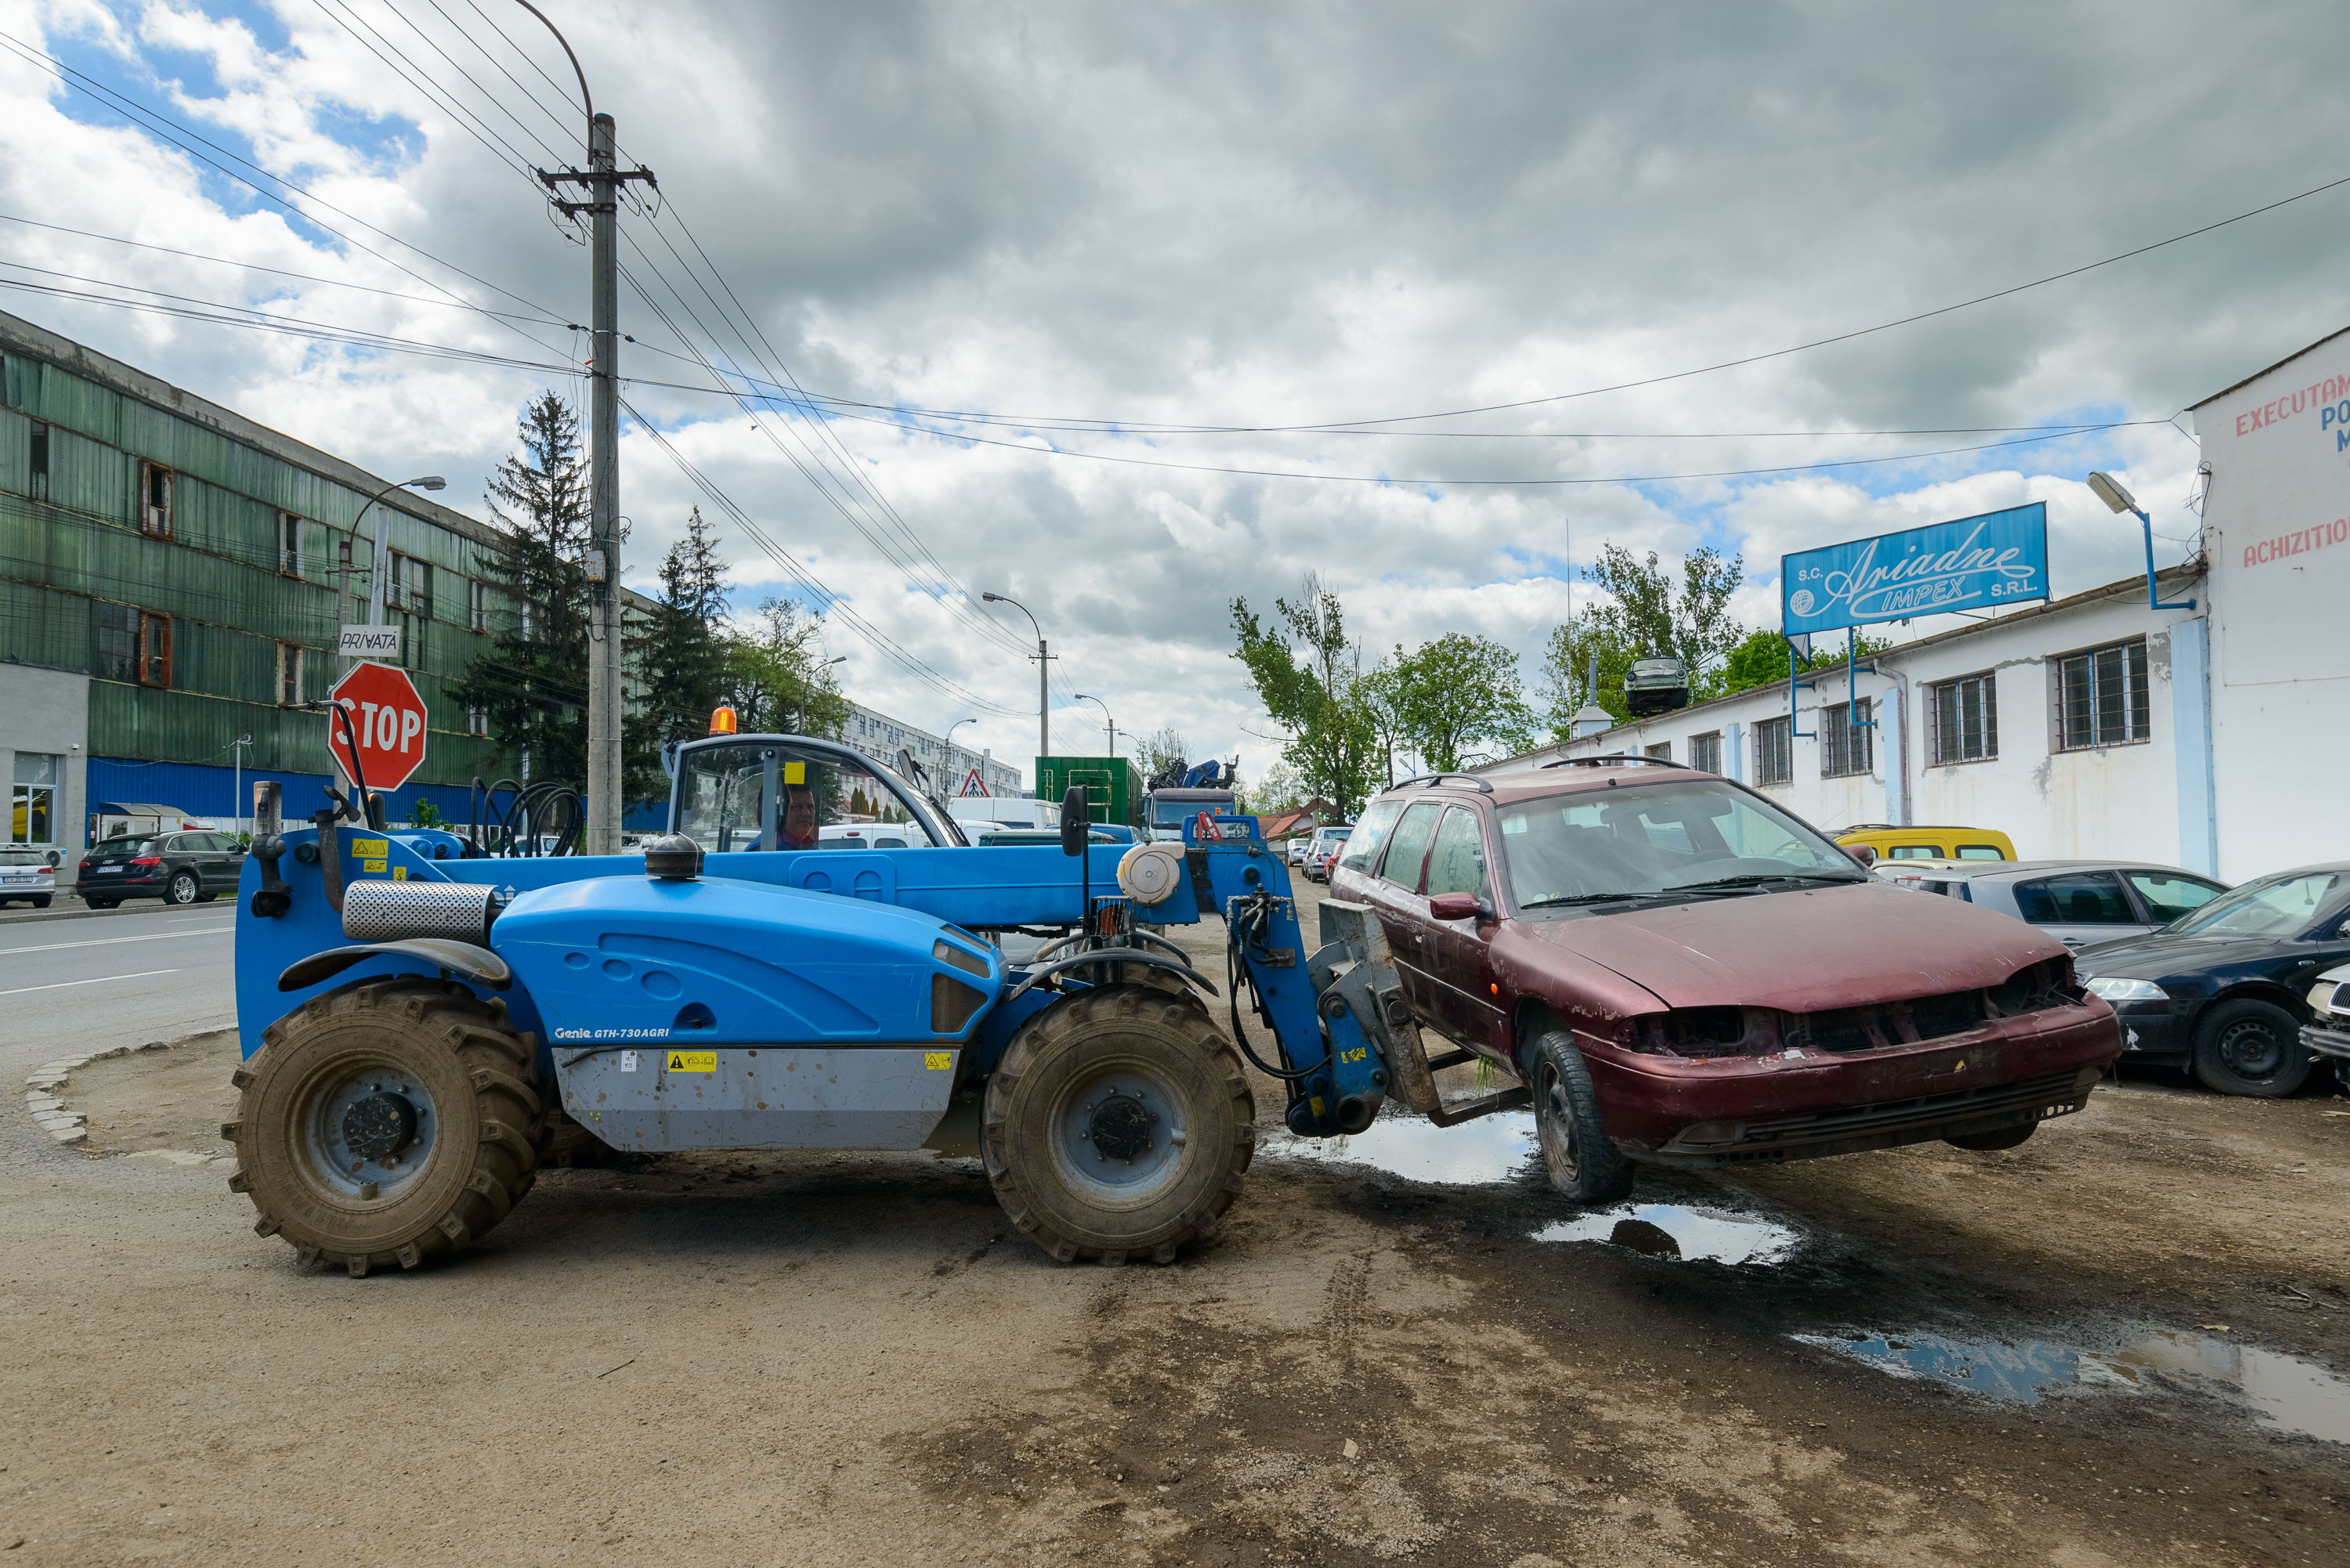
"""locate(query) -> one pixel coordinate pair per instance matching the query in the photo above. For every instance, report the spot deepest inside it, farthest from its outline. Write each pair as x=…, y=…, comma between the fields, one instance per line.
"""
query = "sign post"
x=388, y=725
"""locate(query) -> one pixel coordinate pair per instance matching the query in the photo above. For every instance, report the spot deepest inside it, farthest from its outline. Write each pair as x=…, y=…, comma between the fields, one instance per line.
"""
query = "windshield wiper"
x=1756, y=878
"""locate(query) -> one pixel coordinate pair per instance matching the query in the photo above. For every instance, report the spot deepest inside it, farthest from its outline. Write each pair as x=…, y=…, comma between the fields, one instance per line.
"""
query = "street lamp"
x=958, y=724
x=1083, y=697
x=379, y=568
x=1043, y=663
x=2109, y=491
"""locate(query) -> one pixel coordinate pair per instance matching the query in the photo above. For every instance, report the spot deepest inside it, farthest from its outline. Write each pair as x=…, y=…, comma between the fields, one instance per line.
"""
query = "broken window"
x=155, y=500
x=40, y=450
x=289, y=674
x=477, y=606
x=289, y=544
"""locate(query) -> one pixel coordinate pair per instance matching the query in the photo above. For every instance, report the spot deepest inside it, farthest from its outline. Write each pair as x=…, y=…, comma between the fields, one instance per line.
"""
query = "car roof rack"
x=1429, y=781
x=1615, y=759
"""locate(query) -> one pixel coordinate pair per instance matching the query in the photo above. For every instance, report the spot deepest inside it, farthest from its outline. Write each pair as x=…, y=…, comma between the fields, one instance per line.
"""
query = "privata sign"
x=370, y=642
x=1974, y=563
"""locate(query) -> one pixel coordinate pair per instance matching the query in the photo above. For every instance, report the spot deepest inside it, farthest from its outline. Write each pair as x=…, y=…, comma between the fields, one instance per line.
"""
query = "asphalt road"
x=148, y=972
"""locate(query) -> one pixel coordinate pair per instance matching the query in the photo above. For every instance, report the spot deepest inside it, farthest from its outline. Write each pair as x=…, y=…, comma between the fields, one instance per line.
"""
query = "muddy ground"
x=818, y=1358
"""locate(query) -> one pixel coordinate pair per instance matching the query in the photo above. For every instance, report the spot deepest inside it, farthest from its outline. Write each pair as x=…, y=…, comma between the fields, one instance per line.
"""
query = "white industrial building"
x=2216, y=738
x=880, y=737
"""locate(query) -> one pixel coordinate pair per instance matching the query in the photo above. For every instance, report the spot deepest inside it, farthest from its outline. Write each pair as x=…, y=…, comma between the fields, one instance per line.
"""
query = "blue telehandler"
x=427, y=1015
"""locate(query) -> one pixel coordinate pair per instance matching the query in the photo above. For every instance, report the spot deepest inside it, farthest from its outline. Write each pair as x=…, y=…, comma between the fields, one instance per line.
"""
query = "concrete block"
x=69, y=1134
x=39, y=1103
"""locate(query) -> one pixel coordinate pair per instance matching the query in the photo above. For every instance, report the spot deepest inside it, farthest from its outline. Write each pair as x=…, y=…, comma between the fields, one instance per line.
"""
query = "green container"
x=1113, y=786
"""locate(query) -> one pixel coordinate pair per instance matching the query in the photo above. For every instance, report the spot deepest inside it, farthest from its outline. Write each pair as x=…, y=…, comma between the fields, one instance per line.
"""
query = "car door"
x=1395, y=894
x=2078, y=907
x=221, y=865
x=1461, y=969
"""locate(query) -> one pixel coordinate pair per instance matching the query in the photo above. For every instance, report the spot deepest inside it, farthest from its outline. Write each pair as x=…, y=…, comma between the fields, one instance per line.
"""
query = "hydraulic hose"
x=1245, y=920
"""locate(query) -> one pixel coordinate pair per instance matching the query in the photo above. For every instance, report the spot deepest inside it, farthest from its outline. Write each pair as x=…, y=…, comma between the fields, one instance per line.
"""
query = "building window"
x=134, y=645
x=155, y=500
x=154, y=650
x=1966, y=719
x=1662, y=750
x=410, y=586
x=1705, y=752
x=33, y=806
x=1773, y=755
x=289, y=544
x=477, y=606
x=477, y=720
x=1845, y=740
x=2103, y=697
x=40, y=450
x=289, y=674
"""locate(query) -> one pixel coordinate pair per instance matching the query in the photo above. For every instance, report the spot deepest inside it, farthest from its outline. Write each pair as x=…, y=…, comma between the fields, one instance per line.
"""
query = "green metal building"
x=172, y=580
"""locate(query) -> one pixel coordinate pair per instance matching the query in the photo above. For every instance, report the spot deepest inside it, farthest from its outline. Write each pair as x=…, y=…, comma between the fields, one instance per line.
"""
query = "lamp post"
x=379, y=565
x=1112, y=723
x=958, y=724
x=1043, y=663
x=2109, y=491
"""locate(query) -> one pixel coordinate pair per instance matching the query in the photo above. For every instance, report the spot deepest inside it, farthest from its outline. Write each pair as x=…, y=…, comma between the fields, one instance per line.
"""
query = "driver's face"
x=799, y=816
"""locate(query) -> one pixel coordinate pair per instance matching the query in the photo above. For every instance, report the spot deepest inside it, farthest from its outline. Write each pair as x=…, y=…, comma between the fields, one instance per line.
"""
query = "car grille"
x=2051, y=1093
x=1916, y=1020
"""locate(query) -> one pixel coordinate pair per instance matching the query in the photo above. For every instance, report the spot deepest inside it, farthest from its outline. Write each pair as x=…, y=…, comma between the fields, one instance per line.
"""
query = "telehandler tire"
x=1118, y=1125
x=389, y=1121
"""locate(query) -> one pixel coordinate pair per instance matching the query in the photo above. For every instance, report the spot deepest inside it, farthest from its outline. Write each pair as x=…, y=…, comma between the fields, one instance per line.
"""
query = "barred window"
x=1845, y=739
x=1966, y=719
x=1705, y=752
x=2103, y=697
x=1773, y=755
x=1662, y=749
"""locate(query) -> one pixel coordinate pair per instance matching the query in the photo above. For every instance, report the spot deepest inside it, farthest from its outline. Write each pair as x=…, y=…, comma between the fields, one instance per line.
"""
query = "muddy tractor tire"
x=1583, y=1162
x=1117, y=1126
x=390, y=1121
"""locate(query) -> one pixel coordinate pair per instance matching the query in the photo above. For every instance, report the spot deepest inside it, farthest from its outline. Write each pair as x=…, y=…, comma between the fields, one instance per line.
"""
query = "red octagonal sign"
x=387, y=721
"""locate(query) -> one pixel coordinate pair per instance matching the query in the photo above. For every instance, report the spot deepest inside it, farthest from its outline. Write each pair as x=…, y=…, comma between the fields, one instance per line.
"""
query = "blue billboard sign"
x=1975, y=563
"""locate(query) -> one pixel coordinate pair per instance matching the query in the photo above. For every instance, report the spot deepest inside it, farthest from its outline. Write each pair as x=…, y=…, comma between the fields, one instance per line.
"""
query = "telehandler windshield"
x=776, y=794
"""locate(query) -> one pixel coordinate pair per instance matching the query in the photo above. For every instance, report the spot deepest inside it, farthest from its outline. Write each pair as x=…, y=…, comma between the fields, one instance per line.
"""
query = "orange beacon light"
x=721, y=720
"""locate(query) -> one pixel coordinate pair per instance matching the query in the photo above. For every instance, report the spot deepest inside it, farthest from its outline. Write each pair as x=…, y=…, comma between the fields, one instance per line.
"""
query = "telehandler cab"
x=424, y=1021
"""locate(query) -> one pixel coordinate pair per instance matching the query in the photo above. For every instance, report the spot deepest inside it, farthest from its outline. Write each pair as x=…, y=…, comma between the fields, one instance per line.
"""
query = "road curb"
x=34, y=917
x=45, y=1086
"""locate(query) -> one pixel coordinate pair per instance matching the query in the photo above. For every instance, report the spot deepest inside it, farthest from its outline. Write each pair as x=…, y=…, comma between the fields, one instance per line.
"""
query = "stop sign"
x=387, y=718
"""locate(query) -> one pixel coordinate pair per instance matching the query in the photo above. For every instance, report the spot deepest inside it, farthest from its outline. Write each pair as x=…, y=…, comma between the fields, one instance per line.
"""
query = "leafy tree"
x=1381, y=694
x=1160, y=750
x=531, y=680
x=1762, y=658
x=1643, y=618
x=681, y=653
x=1280, y=790
x=1455, y=693
x=1332, y=738
x=775, y=677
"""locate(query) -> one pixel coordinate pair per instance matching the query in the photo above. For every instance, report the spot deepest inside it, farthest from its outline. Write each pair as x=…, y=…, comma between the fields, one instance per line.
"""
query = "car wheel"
x=1584, y=1163
x=101, y=903
x=182, y=888
x=2252, y=1048
x=41, y=901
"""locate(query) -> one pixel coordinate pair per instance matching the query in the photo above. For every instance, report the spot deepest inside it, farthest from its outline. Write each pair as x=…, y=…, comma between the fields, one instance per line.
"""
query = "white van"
x=981, y=812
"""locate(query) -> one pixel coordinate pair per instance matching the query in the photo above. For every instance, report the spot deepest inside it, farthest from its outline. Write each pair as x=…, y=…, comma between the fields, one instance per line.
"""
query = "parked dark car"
x=2076, y=902
x=182, y=867
x=2223, y=989
x=1682, y=972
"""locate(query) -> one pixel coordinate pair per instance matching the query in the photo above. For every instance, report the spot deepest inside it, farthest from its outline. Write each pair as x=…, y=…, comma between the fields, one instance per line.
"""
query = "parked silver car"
x=2075, y=902
x=2327, y=1033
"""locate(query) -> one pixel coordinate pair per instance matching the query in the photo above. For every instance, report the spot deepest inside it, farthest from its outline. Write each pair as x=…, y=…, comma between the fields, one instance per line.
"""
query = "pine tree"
x=531, y=680
x=682, y=654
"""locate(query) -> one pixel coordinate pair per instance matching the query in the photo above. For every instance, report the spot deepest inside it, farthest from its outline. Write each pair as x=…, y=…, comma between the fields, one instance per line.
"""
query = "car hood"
x=1804, y=951
x=2154, y=955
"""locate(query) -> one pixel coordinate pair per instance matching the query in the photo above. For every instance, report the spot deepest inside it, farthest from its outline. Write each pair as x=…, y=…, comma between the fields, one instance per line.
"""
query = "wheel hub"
x=378, y=1125
x=2251, y=1049
x=1119, y=1126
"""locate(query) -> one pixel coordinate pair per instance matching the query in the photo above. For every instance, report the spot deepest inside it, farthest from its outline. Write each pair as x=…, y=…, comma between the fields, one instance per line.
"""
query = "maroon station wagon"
x=1682, y=972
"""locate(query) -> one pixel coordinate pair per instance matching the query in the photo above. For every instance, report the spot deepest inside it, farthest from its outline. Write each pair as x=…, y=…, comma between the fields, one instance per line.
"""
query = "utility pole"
x=602, y=180
x=1044, y=668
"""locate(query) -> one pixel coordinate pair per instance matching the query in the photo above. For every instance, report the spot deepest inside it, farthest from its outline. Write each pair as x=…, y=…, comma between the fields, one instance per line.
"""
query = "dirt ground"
x=821, y=1358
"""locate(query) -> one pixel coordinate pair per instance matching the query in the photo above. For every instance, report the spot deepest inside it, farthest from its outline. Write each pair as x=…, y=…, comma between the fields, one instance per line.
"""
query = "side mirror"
x=1864, y=854
x=1460, y=907
x=1076, y=821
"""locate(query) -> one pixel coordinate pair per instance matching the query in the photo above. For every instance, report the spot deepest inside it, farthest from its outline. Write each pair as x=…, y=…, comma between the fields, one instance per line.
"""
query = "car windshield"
x=125, y=847
x=1653, y=838
x=777, y=794
x=2278, y=907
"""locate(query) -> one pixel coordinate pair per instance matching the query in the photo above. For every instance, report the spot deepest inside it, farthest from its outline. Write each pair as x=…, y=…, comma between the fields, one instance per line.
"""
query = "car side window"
x=1981, y=852
x=1370, y=832
x=2168, y=897
x=2079, y=898
x=1408, y=847
x=1914, y=852
x=1458, y=862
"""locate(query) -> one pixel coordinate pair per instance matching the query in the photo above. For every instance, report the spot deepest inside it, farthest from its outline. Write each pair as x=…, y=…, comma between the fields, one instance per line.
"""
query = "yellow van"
x=1929, y=843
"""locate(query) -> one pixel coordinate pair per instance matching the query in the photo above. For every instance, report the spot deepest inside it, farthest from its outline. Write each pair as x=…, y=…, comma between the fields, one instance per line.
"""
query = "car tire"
x=101, y=903
x=2251, y=1048
x=1990, y=1142
x=476, y=1133
x=181, y=888
x=206, y=898
x=1043, y=1140
x=41, y=901
x=1584, y=1164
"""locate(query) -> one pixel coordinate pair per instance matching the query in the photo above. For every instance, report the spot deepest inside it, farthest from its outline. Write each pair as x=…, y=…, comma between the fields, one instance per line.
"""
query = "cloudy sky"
x=1120, y=242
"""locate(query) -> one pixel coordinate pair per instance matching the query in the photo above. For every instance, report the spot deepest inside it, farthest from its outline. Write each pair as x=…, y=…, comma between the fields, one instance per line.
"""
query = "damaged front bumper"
x=1802, y=1105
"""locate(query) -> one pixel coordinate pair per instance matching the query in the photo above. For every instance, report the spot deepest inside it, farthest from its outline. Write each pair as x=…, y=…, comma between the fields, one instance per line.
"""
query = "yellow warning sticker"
x=795, y=772
x=938, y=1061
x=374, y=867
x=400, y=873
x=371, y=848
x=690, y=1061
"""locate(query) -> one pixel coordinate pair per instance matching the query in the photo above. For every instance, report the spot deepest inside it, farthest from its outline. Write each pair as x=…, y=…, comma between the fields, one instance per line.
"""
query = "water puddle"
x=1486, y=1151
x=1669, y=1230
x=2285, y=1391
